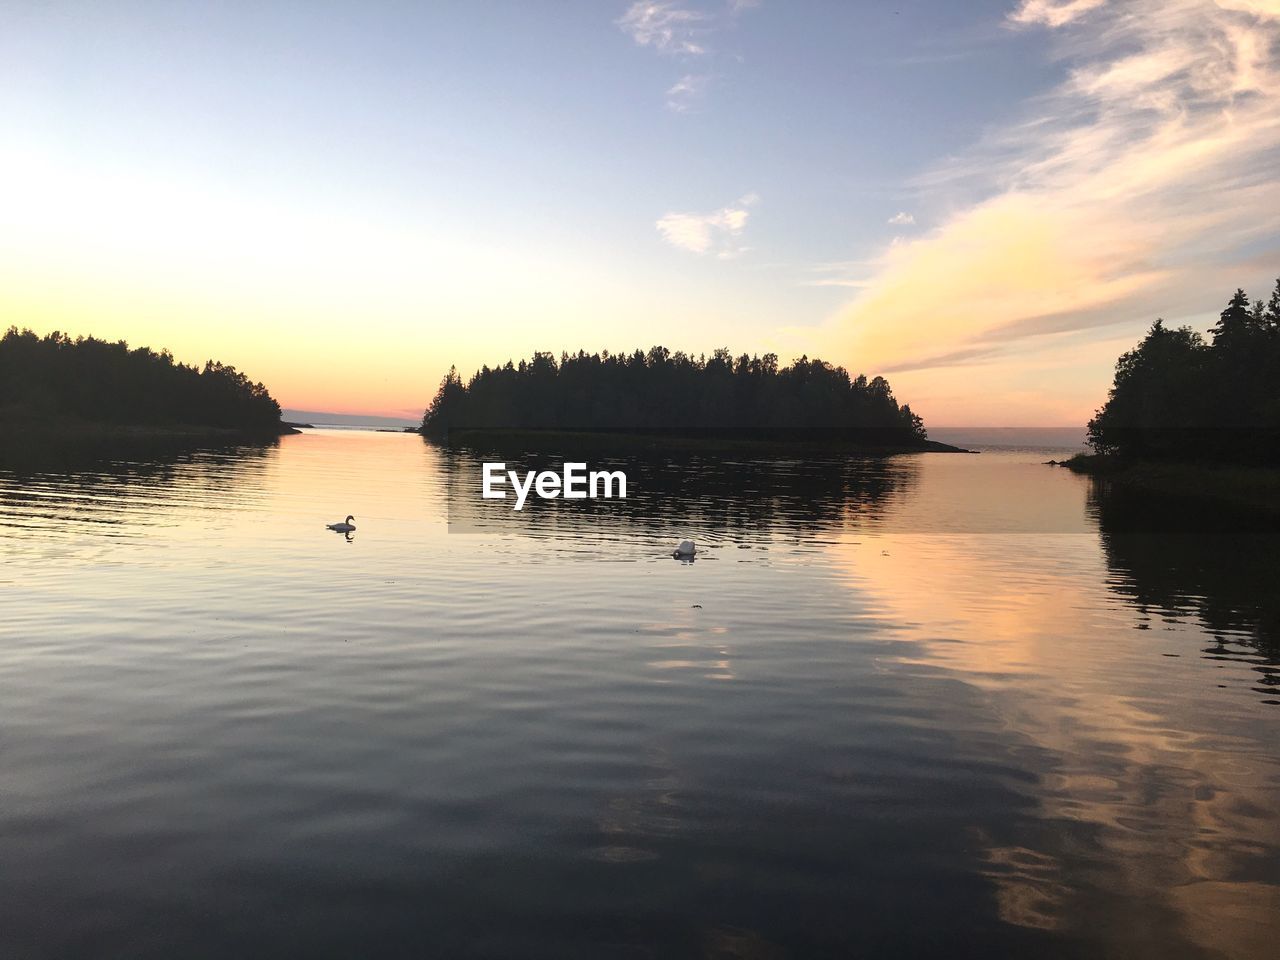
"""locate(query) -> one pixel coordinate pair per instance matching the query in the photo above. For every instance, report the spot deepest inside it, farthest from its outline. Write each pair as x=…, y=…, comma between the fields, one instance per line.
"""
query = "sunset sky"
x=984, y=201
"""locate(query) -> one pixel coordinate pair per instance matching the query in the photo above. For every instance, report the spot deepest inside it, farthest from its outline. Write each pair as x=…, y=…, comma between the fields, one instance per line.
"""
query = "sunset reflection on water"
x=890, y=698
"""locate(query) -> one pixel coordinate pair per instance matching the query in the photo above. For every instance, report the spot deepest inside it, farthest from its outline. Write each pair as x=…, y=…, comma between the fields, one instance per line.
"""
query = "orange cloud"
x=1119, y=198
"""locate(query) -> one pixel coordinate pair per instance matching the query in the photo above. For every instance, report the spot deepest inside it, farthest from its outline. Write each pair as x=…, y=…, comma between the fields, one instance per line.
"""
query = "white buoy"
x=686, y=549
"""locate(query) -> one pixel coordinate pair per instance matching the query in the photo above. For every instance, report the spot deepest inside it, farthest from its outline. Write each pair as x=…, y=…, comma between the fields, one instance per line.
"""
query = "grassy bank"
x=1257, y=488
x=624, y=442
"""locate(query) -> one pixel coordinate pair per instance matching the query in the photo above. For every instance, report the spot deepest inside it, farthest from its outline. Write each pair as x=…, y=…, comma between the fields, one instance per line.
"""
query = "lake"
x=932, y=705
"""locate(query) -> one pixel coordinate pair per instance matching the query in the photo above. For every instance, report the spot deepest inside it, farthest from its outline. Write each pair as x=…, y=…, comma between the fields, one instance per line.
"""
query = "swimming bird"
x=344, y=527
x=686, y=549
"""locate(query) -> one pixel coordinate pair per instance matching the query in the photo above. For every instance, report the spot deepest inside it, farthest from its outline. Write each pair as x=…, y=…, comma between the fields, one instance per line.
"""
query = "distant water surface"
x=935, y=705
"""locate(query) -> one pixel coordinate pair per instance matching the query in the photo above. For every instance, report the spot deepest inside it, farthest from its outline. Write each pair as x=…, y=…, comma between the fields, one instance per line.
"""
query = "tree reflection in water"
x=732, y=497
x=1176, y=559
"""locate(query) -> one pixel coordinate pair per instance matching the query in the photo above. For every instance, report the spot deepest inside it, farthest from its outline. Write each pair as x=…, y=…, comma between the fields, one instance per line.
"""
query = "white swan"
x=344, y=527
x=686, y=549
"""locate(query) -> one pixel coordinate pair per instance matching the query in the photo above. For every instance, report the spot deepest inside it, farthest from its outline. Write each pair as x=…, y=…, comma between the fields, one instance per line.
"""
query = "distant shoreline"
x=1257, y=488
x=689, y=441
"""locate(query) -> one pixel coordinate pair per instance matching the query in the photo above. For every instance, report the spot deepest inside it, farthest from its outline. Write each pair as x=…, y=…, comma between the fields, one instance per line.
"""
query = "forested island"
x=722, y=397
x=57, y=385
x=1186, y=414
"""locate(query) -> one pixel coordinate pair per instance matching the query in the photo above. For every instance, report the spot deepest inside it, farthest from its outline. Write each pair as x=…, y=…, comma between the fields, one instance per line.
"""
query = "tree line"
x=91, y=379
x=664, y=391
x=1178, y=396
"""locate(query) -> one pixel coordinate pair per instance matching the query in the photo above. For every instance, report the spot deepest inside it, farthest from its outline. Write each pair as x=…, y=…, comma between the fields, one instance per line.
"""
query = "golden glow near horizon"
x=331, y=312
x=996, y=285
x=1014, y=632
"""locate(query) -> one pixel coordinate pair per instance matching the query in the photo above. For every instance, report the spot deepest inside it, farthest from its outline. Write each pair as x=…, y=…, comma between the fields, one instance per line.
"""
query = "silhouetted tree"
x=662, y=390
x=1176, y=396
x=91, y=379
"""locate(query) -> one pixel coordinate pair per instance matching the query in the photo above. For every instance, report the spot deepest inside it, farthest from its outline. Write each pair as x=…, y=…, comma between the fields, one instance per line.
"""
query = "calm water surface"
x=930, y=706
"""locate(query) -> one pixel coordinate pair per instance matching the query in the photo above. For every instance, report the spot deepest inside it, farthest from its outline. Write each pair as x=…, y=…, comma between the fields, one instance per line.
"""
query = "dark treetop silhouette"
x=665, y=391
x=1176, y=397
x=55, y=378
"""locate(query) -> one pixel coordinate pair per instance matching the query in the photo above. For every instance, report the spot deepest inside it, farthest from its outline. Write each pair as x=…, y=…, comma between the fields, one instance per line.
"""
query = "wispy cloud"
x=666, y=26
x=902, y=218
x=716, y=232
x=835, y=282
x=687, y=92
x=1121, y=195
x=840, y=273
x=683, y=31
x=1052, y=13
